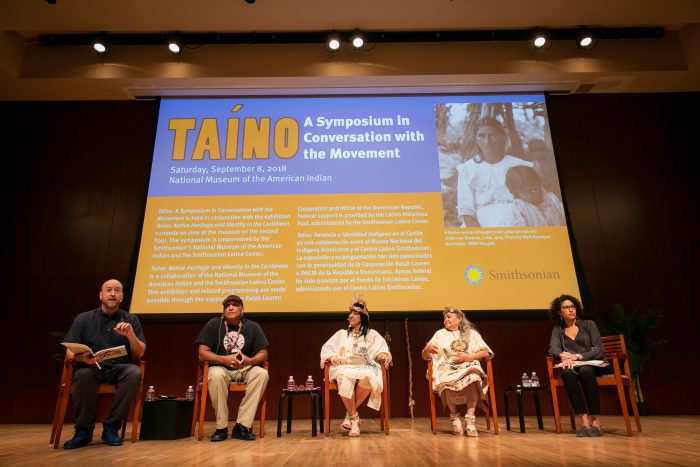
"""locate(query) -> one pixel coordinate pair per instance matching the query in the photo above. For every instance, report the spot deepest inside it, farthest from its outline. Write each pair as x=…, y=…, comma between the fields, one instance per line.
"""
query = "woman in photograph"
x=483, y=200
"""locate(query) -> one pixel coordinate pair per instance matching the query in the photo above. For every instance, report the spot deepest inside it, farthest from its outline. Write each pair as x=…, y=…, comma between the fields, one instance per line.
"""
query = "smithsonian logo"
x=475, y=275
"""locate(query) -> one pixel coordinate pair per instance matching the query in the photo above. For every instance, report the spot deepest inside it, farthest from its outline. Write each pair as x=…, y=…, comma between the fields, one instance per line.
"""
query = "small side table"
x=519, y=390
x=316, y=401
x=166, y=419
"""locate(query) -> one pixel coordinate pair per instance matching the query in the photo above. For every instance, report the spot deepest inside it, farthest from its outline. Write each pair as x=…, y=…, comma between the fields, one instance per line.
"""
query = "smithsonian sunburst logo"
x=473, y=275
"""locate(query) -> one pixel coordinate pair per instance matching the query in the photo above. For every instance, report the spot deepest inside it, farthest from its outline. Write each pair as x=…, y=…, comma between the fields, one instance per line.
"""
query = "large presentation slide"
x=298, y=203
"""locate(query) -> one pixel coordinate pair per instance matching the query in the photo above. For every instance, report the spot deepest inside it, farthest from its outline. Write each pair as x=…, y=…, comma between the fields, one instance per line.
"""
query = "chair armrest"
x=326, y=372
x=550, y=367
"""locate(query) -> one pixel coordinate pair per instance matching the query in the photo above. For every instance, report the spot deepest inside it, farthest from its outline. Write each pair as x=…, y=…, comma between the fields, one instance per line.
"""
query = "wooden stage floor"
x=666, y=440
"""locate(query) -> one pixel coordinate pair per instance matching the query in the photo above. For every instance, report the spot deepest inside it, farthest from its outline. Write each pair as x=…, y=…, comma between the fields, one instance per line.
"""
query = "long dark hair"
x=555, y=308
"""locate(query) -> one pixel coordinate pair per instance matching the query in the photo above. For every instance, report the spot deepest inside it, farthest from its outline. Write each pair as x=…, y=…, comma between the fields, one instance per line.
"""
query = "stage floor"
x=666, y=440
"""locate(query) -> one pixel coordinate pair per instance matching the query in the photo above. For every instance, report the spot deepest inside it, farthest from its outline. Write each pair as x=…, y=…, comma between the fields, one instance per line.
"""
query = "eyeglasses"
x=110, y=290
x=568, y=307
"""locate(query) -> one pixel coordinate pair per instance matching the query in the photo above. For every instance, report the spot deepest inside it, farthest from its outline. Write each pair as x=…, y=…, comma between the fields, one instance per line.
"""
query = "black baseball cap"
x=234, y=299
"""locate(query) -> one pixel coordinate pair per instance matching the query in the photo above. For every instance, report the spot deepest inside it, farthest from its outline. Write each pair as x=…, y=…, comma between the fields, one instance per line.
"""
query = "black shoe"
x=80, y=438
x=110, y=435
x=594, y=432
x=583, y=432
x=241, y=432
x=219, y=435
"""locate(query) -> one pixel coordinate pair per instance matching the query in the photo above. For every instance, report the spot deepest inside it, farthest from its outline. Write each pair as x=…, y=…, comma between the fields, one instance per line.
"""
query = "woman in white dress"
x=355, y=354
x=457, y=376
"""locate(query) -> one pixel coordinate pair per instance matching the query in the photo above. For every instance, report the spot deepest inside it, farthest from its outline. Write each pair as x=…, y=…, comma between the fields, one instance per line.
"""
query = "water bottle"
x=526, y=381
x=150, y=394
x=309, y=384
x=291, y=386
x=189, y=394
x=534, y=380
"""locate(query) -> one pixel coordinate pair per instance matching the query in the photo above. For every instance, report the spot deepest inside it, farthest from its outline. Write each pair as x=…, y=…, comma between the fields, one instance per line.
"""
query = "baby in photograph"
x=534, y=205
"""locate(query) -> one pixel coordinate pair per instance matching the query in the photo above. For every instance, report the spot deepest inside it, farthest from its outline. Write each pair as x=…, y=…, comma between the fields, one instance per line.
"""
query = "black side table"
x=316, y=401
x=519, y=390
x=166, y=419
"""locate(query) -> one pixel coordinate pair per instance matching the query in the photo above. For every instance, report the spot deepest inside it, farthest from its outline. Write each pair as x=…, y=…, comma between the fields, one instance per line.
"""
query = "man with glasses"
x=102, y=328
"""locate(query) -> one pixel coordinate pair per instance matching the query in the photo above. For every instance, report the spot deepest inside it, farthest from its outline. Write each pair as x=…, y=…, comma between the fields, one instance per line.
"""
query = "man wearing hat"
x=235, y=347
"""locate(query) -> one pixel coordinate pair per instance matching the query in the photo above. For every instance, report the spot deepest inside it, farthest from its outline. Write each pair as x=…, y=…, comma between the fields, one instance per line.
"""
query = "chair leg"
x=202, y=409
x=433, y=418
x=623, y=405
x=385, y=411
x=61, y=415
x=138, y=406
x=635, y=411
x=327, y=411
x=59, y=399
x=263, y=410
x=136, y=418
x=555, y=407
x=195, y=411
x=494, y=410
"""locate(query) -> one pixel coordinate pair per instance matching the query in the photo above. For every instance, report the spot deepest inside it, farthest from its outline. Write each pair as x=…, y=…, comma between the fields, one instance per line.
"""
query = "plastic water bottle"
x=189, y=394
x=534, y=380
x=150, y=394
x=309, y=386
x=526, y=381
x=291, y=386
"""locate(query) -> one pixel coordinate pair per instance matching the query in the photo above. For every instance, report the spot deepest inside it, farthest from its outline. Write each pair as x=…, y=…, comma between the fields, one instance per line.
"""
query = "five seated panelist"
x=236, y=346
x=354, y=354
x=457, y=376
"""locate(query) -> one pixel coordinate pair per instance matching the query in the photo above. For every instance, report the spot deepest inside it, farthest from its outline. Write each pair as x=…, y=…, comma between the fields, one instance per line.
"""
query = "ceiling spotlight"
x=175, y=45
x=100, y=45
x=250, y=2
x=357, y=40
x=333, y=43
x=540, y=39
x=585, y=40
x=51, y=2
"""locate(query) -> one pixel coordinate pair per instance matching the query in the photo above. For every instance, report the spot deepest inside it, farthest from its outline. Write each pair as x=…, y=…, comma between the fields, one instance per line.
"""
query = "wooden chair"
x=329, y=386
x=64, y=391
x=490, y=408
x=615, y=353
x=202, y=393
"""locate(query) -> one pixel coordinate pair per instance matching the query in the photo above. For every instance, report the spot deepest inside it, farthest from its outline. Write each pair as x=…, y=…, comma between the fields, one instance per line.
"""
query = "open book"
x=112, y=352
x=586, y=362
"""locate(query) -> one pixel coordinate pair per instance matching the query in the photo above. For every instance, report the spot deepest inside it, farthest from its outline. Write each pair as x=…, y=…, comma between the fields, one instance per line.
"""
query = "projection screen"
x=297, y=203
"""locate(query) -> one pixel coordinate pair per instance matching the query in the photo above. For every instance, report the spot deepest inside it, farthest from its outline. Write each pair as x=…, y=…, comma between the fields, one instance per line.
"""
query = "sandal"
x=469, y=424
x=456, y=424
x=354, y=425
x=346, y=425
